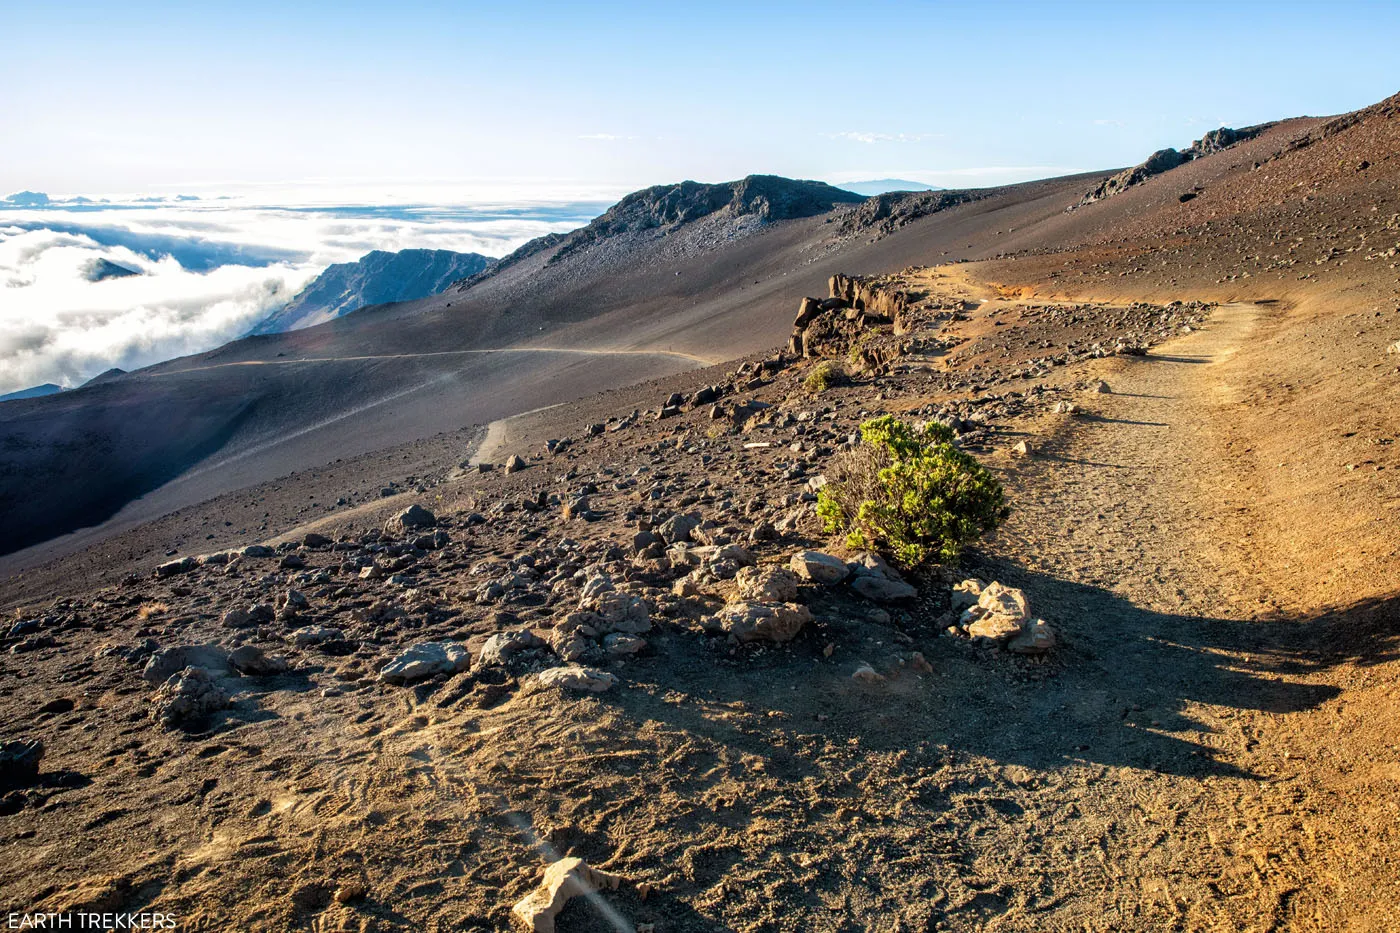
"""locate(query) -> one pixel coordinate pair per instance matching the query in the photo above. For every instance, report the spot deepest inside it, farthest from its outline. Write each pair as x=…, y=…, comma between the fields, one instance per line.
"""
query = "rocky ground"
x=630, y=642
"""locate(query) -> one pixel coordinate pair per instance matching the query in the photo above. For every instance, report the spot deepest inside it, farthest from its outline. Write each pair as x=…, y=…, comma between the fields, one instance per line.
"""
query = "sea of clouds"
x=210, y=268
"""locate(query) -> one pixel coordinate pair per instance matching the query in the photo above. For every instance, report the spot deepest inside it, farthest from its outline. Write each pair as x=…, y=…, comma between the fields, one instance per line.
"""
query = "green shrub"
x=910, y=494
x=825, y=375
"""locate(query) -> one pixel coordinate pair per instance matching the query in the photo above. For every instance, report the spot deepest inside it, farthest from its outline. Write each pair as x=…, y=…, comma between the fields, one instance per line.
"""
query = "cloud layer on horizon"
x=208, y=272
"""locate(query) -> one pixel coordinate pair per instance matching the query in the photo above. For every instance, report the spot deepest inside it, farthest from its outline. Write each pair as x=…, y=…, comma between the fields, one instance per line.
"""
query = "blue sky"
x=570, y=98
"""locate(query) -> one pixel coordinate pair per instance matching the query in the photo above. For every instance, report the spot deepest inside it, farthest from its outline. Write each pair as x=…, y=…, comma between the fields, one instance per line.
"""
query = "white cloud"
x=209, y=272
x=872, y=138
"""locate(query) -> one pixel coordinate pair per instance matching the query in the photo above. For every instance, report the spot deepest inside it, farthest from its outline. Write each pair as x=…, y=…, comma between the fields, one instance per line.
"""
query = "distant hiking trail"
x=703, y=361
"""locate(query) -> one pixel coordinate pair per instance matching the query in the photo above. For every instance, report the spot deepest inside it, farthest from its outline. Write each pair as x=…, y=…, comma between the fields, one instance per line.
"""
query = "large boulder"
x=169, y=661
x=188, y=697
x=678, y=527
x=750, y=622
x=427, y=659
x=413, y=518
x=777, y=585
x=501, y=647
x=818, y=567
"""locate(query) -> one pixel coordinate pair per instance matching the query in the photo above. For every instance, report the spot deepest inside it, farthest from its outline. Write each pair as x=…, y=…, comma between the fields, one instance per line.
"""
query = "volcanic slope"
x=666, y=280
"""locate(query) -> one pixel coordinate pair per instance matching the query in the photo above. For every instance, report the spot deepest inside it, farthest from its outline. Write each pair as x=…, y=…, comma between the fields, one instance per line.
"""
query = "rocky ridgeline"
x=1164, y=160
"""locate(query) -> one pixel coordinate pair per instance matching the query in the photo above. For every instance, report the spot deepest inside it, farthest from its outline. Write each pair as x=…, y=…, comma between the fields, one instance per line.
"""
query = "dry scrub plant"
x=909, y=493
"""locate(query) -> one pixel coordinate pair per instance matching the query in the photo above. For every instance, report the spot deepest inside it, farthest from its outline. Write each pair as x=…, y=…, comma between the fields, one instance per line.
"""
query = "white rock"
x=563, y=880
x=819, y=567
x=577, y=677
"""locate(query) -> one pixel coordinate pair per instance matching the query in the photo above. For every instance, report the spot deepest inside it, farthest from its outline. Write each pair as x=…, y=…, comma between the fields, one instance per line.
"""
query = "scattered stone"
x=577, y=677
x=172, y=567
x=410, y=519
x=19, y=762
x=1021, y=449
x=1036, y=637
x=188, y=697
x=866, y=674
x=310, y=635
x=503, y=646
x=749, y=622
x=819, y=567
x=170, y=661
x=258, y=550
x=426, y=659
x=251, y=660
x=515, y=463
x=565, y=879
x=312, y=539
x=621, y=645
x=1100, y=386
x=767, y=586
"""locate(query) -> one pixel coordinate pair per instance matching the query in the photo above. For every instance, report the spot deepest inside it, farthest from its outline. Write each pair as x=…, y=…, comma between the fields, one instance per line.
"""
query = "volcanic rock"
x=749, y=622
x=427, y=659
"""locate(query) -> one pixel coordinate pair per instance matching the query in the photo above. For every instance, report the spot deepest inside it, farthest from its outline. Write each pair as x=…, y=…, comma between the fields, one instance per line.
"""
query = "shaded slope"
x=375, y=278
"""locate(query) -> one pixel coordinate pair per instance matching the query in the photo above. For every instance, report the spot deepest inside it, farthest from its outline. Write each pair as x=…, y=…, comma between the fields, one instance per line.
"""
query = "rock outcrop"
x=1164, y=160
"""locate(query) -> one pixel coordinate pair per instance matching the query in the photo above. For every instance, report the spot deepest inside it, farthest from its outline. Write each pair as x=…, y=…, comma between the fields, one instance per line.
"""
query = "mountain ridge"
x=377, y=277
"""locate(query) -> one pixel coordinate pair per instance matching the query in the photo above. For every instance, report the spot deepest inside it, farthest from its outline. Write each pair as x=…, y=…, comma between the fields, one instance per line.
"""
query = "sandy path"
x=1205, y=712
